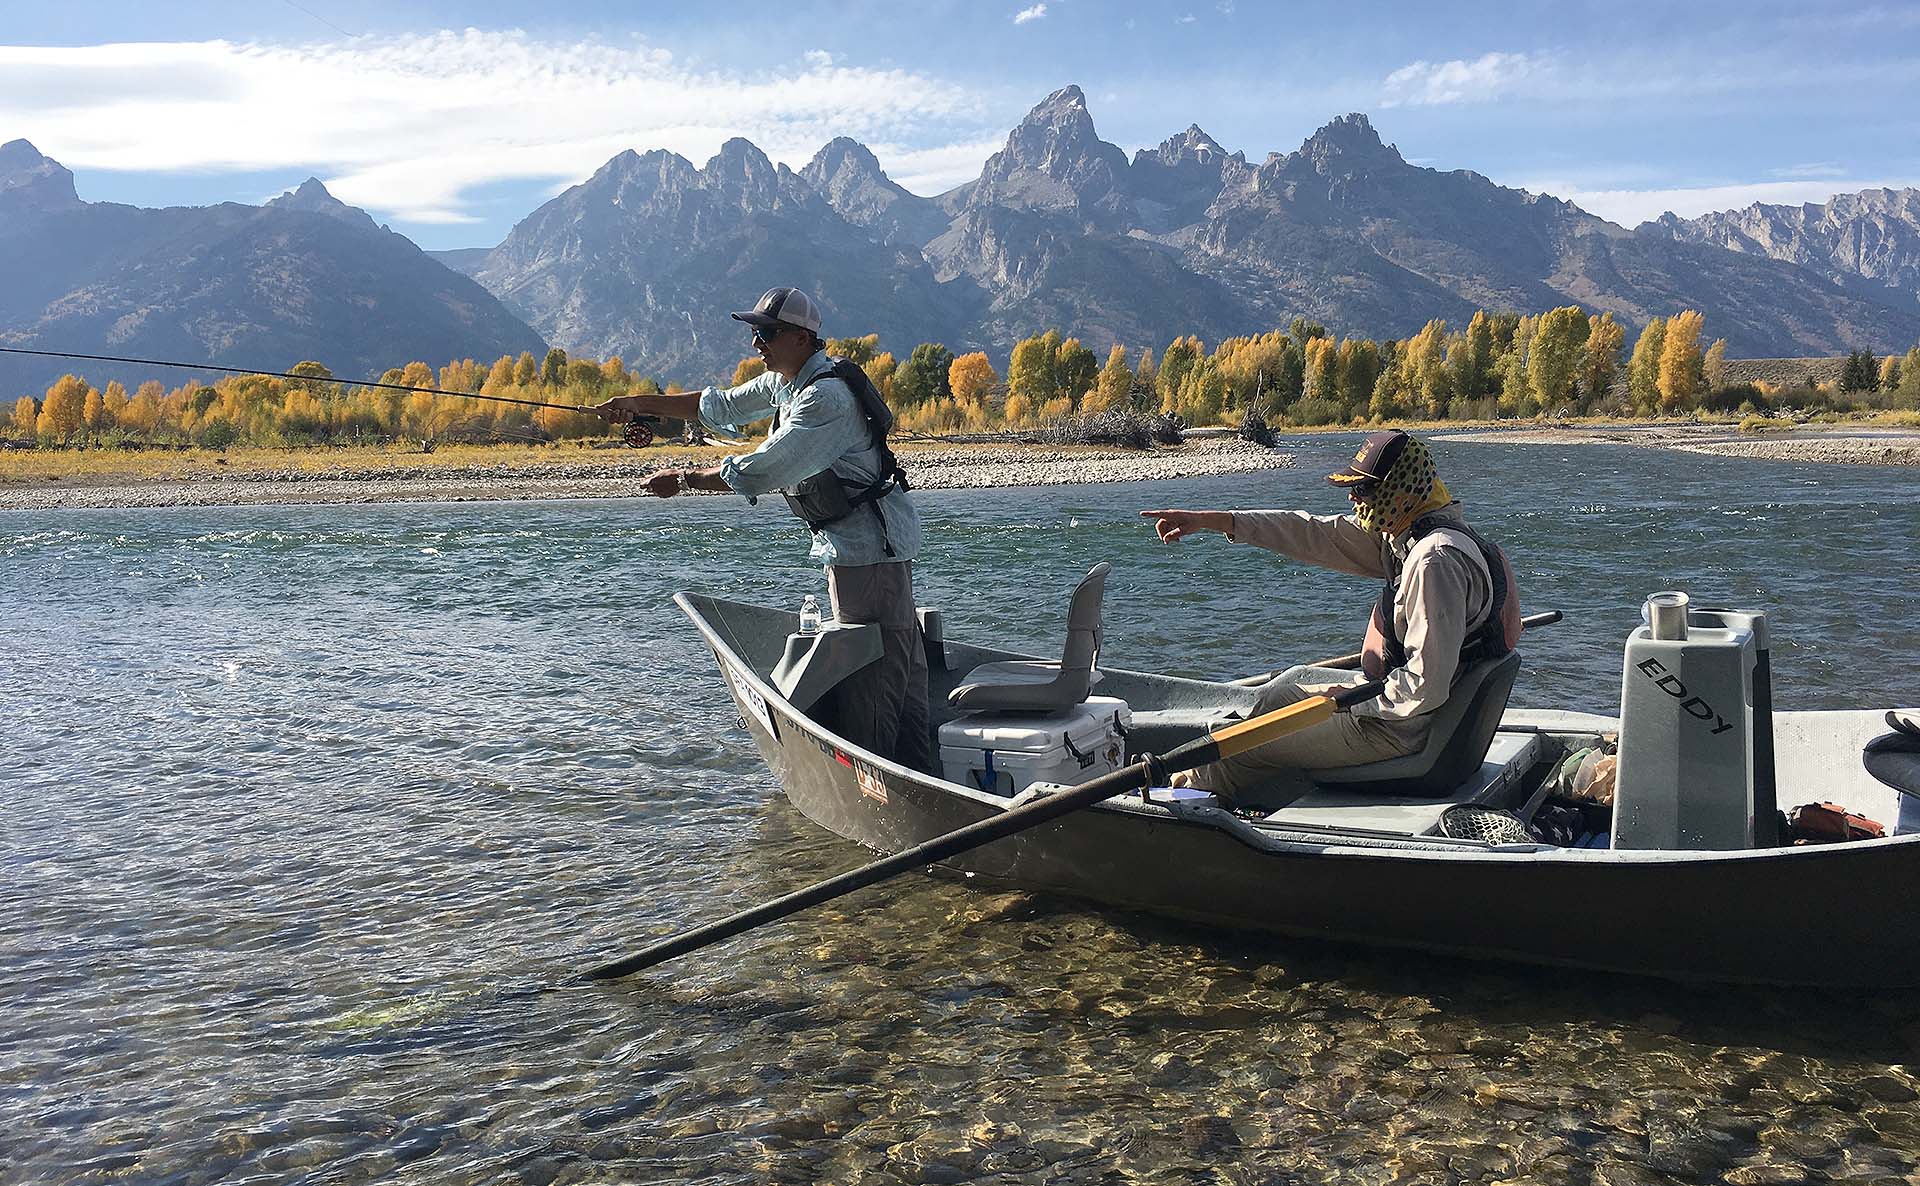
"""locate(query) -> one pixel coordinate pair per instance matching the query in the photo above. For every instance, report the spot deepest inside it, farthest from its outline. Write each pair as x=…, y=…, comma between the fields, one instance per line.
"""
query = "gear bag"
x=826, y=498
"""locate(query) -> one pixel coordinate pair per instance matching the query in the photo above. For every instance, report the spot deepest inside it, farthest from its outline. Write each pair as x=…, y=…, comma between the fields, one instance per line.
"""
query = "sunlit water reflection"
x=309, y=813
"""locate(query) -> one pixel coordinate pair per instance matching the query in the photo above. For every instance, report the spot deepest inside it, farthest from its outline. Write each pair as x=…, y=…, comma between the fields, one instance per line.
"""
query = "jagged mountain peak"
x=1349, y=137
x=839, y=153
x=21, y=154
x=1054, y=160
x=313, y=197
x=1190, y=145
x=30, y=180
x=849, y=176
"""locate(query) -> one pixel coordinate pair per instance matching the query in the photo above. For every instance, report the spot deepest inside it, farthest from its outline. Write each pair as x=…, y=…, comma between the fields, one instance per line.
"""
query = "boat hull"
x=1834, y=915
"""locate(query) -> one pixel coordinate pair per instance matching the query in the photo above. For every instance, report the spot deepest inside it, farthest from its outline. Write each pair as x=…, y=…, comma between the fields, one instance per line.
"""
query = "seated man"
x=1449, y=599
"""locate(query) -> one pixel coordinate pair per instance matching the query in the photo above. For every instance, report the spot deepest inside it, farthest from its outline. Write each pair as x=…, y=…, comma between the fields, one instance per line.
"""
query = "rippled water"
x=308, y=813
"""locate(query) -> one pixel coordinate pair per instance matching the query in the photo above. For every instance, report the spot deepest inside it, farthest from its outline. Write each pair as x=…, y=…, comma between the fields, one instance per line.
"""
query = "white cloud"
x=1185, y=20
x=407, y=127
x=1029, y=14
x=818, y=57
x=930, y=171
x=1631, y=207
x=1460, y=81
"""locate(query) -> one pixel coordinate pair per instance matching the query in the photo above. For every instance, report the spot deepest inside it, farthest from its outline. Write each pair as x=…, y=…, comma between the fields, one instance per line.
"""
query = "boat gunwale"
x=1289, y=838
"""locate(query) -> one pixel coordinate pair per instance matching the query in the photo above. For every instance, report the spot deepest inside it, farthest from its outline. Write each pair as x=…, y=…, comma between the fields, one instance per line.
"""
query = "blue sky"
x=453, y=121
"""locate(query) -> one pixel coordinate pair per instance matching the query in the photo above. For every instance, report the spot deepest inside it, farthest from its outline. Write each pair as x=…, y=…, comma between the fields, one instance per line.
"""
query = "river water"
x=308, y=813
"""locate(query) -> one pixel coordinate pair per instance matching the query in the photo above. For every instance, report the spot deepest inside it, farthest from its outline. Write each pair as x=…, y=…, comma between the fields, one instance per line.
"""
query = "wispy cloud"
x=1029, y=14
x=1811, y=169
x=930, y=171
x=407, y=127
x=1631, y=207
x=1485, y=78
x=1185, y=20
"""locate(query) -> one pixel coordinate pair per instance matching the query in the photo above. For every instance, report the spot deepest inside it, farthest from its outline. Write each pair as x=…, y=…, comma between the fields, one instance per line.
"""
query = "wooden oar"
x=1352, y=662
x=1223, y=742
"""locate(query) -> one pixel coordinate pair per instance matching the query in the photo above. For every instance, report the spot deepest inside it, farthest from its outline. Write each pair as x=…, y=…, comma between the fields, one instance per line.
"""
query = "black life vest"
x=1499, y=633
x=826, y=498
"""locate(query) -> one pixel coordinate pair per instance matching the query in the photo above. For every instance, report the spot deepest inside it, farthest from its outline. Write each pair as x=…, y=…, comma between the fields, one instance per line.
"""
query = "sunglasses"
x=764, y=335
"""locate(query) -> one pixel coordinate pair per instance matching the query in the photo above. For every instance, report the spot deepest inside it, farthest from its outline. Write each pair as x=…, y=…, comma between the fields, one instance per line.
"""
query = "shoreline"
x=933, y=467
x=1838, y=445
x=950, y=467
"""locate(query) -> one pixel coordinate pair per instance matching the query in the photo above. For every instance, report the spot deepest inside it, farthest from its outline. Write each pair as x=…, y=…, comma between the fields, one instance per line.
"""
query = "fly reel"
x=640, y=433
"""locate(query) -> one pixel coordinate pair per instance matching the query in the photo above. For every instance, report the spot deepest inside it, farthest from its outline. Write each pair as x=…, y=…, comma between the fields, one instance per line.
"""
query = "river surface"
x=308, y=813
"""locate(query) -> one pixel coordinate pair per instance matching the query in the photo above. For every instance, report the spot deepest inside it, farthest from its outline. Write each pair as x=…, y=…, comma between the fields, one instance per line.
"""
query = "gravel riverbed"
x=938, y=468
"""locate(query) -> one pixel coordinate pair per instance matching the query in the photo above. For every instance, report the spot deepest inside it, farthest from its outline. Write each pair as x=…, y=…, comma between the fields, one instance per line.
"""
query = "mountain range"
x=303, y=277
x=1061, y=229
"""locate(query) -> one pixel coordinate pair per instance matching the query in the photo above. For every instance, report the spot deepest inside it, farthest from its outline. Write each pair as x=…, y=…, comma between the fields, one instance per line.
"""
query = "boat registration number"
x=748, y=697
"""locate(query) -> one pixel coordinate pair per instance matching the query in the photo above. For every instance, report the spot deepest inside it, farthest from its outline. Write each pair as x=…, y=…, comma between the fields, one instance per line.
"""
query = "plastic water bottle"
x=810, y=616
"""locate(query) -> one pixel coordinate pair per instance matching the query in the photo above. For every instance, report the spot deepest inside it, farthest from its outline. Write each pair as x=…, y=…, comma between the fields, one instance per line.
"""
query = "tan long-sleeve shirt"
x=1445, y=590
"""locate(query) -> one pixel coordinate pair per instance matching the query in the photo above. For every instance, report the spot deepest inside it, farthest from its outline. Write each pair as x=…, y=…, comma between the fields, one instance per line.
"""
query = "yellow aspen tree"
x=1470, y=358
x=62, y=412
x=1114, y=390
x=115, y=403
x=858, y=351
x=1600, y=363
x=1554, y=355
x=26, y=414
x=880, y=371
x=93, y=413
x=1322, y=354
x=1643, y=369
x=499, y=377
x=1713, y=368
x=971, y=376
x=1030, y=370
x=748, y=369
x=1890, y=373
x=526, y=369
x=1680, y=362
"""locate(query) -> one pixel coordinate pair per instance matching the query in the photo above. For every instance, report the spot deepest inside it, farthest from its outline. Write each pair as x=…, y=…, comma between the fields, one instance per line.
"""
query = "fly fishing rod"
x=639, y=432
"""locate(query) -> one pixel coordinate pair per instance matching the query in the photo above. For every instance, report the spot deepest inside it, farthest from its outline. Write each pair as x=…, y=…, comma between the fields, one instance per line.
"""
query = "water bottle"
x=810, y=616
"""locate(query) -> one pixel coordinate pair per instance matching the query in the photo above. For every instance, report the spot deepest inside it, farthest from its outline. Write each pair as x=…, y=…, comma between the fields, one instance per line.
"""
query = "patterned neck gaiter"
x=1410, y=489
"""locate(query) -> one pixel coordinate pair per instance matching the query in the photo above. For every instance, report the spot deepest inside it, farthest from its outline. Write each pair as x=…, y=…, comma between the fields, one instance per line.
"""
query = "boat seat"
x=1035, y=687
x=1495, y=783
x=1456, y=744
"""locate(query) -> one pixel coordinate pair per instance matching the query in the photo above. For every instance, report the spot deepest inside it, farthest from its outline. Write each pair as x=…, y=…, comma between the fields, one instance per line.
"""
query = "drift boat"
x=1695, y=884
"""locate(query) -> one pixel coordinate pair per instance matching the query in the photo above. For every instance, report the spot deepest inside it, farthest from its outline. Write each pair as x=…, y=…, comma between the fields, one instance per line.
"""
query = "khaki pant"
x=882, y=707
x=1273, y=775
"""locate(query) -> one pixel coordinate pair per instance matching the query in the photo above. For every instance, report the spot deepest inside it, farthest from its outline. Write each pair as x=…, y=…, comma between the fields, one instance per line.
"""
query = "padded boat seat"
x=1456, y=745
x=1506, y=764
x=1035, y=687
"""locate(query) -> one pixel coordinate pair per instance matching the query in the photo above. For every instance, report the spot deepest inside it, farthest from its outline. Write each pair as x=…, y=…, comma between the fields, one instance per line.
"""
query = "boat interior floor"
x=1170, y=710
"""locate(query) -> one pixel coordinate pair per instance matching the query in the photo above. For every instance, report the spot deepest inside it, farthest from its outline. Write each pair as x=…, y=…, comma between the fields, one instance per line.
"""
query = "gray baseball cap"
x=783, y=307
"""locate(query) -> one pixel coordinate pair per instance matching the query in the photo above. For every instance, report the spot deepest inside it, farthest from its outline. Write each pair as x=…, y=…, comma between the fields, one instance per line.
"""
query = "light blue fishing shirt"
x=820, y=427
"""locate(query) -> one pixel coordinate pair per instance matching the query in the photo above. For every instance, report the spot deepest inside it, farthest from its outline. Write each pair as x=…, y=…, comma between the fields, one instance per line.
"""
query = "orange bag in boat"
x=1829, y=823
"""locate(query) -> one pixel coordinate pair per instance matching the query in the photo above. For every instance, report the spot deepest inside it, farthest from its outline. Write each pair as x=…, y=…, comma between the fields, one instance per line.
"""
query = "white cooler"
x=1004, y=753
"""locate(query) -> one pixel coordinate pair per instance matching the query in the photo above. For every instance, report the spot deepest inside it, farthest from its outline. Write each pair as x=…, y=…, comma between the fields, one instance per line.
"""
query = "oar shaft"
x=1231, y=740
x=972, y=836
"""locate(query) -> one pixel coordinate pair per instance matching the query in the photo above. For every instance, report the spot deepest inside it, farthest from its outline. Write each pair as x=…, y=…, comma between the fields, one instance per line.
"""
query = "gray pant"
x=883, y=707
x=1273, y=774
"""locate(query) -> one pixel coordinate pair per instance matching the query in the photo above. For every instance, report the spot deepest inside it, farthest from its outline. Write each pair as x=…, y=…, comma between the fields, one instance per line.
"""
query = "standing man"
x=827, y=455
x=1448, y=599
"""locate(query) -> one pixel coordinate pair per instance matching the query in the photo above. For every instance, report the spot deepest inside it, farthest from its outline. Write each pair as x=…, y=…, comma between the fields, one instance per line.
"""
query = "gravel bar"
x=937, y=468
